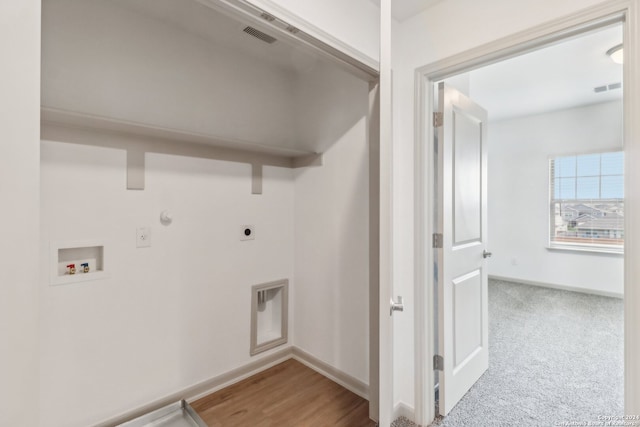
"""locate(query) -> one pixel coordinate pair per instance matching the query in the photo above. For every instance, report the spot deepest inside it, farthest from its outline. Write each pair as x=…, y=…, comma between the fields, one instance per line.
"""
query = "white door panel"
x=466, y=178
x=462, y=221
x=467, y=317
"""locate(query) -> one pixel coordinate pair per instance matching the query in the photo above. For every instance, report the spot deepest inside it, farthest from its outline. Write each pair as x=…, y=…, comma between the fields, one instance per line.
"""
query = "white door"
x=461, y=220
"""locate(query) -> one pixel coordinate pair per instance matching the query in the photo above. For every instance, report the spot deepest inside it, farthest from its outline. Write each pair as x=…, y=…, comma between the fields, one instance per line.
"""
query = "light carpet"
x=555, y=358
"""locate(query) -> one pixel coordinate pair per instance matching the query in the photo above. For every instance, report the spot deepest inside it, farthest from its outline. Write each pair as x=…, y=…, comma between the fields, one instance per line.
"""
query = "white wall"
x=97, y=54
x=355, y=22
x=447, y=28
x=171, y=315
x=519, y=151
x=177, y=313
x=331, y=305
x=19, y=229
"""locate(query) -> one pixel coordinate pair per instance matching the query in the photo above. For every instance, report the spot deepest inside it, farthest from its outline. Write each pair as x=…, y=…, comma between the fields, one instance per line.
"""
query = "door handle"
x=486, y=254
x=396, y=306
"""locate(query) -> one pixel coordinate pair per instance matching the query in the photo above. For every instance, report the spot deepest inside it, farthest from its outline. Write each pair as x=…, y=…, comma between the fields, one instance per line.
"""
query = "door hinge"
x=438, y=363
x=438, y=118
x=437, y=240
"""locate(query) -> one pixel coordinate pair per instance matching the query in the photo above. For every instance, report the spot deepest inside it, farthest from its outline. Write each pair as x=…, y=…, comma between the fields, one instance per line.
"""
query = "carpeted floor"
x=555, y=358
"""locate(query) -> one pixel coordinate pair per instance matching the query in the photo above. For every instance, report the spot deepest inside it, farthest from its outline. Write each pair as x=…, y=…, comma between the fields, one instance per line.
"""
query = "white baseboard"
x=226, y=379
x=236, y=375
x=561, y=287
x=203, y=388
x=401, y=409
x=345, y=380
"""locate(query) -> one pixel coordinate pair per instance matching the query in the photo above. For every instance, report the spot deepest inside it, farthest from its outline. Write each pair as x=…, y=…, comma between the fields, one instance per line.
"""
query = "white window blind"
x=587, y=201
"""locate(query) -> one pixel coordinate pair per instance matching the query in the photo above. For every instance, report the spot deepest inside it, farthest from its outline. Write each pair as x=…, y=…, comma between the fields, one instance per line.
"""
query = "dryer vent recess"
x=247, y=232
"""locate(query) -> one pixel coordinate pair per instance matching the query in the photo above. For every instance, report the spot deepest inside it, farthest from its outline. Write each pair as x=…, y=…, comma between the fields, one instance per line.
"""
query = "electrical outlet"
x=247, y=232
x=514, y=261
x=143, y=237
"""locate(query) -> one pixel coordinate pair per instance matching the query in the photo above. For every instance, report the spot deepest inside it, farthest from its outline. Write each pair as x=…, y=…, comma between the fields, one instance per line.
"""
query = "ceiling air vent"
x=606, y=88
x=260, y=35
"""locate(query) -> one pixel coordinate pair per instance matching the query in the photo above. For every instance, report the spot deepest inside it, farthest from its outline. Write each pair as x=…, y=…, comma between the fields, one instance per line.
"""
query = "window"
x=587, y=202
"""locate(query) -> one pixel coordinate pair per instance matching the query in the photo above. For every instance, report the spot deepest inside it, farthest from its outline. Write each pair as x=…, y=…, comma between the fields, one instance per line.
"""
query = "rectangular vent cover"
x=606, y=88
x=260, y=35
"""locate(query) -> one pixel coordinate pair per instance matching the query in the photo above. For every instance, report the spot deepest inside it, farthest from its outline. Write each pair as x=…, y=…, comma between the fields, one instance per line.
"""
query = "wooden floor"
x=288, y=394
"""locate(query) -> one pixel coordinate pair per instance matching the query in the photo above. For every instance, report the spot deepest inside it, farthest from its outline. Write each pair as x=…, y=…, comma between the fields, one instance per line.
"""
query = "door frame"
x=609, y=12
x=382, y=162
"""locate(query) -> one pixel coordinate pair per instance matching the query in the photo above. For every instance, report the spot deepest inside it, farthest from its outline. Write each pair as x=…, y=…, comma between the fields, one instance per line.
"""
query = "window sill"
x=585, y=248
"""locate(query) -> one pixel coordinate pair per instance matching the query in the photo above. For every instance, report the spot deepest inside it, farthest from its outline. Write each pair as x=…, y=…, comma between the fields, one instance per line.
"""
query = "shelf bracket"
x=256, y=178
x=135, y=169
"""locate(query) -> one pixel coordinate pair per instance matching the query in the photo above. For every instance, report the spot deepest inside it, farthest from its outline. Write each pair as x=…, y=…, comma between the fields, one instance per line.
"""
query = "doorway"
x=501, y=50
x=555, y=211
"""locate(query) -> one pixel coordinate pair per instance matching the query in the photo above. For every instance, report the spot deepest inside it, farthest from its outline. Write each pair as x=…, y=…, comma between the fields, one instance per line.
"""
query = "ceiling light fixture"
x=616, y=54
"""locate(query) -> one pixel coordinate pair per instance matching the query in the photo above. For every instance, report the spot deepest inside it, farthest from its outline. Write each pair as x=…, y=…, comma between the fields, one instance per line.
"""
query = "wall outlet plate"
x=143, y=237
x=247, y=232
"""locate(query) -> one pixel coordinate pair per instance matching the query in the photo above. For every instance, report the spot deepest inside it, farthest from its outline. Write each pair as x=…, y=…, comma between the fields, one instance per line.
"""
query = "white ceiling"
x=554, y=78
x=403, y=9
x=222, y=30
